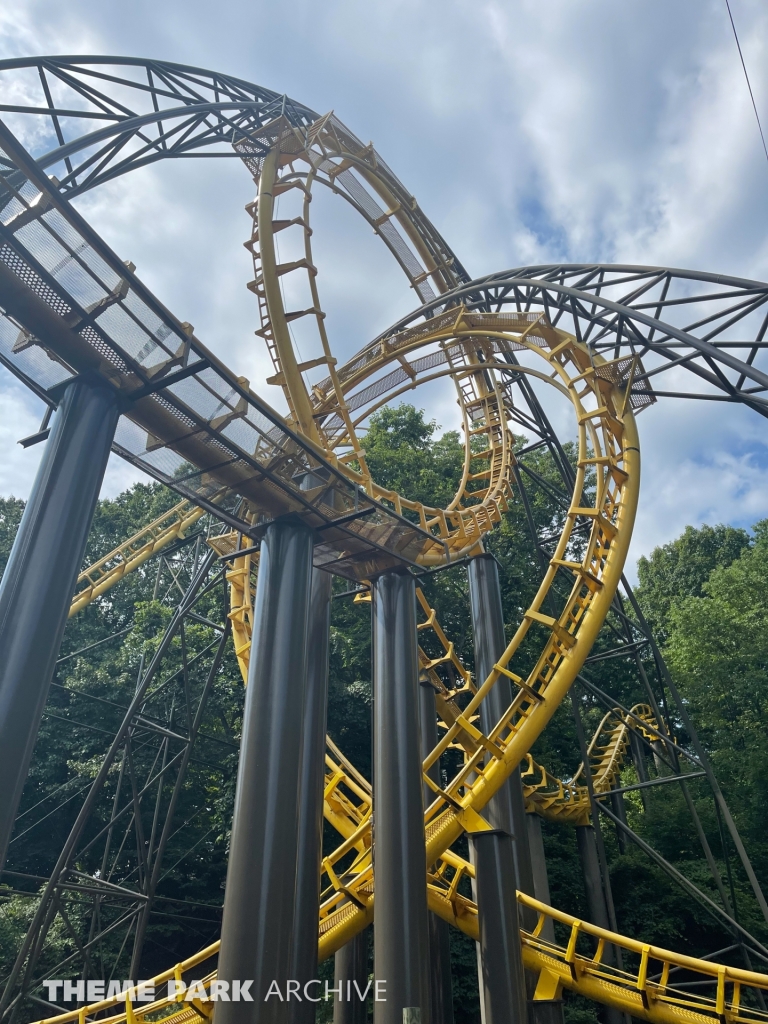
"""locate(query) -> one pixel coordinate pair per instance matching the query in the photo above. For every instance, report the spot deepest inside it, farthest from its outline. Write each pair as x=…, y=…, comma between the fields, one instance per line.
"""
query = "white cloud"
x=530, y=133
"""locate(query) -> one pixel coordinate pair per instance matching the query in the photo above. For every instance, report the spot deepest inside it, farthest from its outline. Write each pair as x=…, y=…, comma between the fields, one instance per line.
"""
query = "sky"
x=530, y=131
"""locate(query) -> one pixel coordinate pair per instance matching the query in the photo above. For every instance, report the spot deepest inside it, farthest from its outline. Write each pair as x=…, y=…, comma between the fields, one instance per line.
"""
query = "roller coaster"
x=273, y=506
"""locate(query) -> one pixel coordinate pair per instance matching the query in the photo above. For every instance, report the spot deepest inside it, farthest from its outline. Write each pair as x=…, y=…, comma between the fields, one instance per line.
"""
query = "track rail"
x=648, y=992
x=196, y=426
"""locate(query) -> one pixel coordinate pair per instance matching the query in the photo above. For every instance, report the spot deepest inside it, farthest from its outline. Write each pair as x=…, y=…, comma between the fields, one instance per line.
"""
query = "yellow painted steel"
x=646, y=992
x=100, y=577
x=607, y=444
x=476, y=350
x=569, y=802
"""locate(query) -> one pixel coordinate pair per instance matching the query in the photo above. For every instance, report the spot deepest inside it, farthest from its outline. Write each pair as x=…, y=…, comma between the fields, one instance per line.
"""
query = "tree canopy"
x=705, y=594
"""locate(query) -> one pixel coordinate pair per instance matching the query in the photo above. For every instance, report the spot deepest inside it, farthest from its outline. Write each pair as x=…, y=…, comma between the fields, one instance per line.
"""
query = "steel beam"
x=351, y=977
x=39, y=579
x=401, y=943
x=259, y=901
x=441, y=991
x=503, y=980
x=310, y=844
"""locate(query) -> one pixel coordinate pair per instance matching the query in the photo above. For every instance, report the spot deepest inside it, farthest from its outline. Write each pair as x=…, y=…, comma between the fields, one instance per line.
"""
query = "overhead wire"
x=746, y=75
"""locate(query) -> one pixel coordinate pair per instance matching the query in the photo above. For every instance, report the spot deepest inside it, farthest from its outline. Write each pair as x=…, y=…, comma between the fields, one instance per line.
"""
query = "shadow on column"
x=351, y=973
x=401, y=951
x=441, y=993
x=311, y=783
x=259, y=901
x=40, y=576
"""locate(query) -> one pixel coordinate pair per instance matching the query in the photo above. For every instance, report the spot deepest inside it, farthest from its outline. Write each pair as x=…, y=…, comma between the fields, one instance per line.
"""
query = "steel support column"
x=598, y=912
x=40, y=576
x=351, y=976
x=593, y=883
x=540, y=876
x=542, y=1011
x=441, y=992
x=401, y=944
x=506, y=810
x=312, y=777
x=259, y=902
x=638, y=759
x=503, y=981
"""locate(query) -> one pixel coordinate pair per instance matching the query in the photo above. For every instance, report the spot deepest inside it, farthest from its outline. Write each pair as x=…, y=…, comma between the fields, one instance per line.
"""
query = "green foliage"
x=682, y=567
x=404, y=455
x=11, y=510
x=706, y=592
x=718, y=651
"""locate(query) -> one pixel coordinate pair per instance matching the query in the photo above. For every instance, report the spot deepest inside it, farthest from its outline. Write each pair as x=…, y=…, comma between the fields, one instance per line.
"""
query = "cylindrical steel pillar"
x=488, y=633
x=542, y=1011
x=400, y=936
x=638, y=759
x=503, y=981
x=598, y=912
x=441, y=992
x=539, y=865
x=507, y=809
x=259, y=901
x=593, y=884
x=351, y=978
x=40, y=576
x=619, y=809
x=311, y=781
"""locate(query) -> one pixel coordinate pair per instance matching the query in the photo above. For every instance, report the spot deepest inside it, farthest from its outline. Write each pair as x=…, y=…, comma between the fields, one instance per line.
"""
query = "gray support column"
x=637, y=748
x=351, y=973
x=542, y=1011
x=40, y=577
x=259, y=901
x=593, y=884
x=619, y=809
x=488, y=632
x=503, y=981
x=598, y=912
x=539, y=865
x=441, y=992
x=311, y=782
x=400, y=936
x=507, y=808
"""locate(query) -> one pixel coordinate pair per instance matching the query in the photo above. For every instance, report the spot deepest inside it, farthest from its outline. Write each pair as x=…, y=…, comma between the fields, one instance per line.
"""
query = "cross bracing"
x=605, y=335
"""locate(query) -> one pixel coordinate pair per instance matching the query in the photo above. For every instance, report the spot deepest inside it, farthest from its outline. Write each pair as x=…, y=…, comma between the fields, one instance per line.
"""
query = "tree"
x=717, y=648
x=682, y=567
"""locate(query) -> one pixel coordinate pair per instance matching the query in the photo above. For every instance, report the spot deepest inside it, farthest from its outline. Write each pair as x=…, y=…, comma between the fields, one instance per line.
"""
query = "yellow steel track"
x=102, y=575
x=476, y=350
x=645, y=992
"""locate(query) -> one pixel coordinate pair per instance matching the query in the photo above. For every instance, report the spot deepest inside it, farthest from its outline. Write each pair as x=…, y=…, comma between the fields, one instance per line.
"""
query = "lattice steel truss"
x=77, y=122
